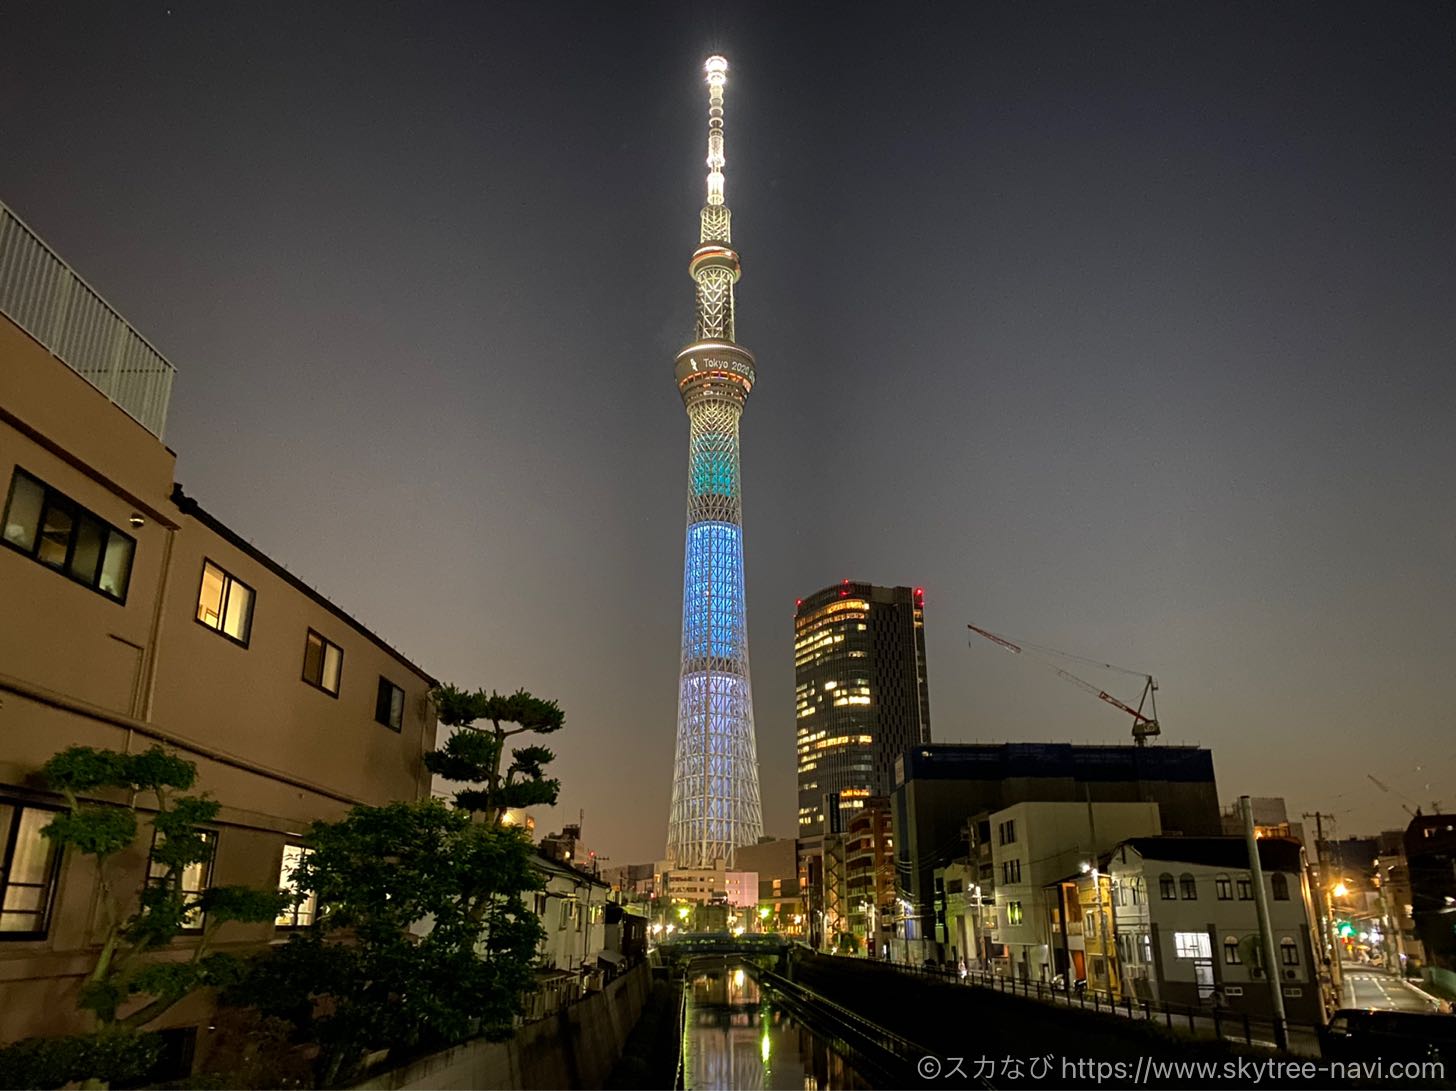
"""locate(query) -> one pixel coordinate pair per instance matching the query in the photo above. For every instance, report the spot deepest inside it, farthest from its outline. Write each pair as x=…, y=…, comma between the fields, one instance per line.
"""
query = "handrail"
x=50, y=301
x=679, y=1080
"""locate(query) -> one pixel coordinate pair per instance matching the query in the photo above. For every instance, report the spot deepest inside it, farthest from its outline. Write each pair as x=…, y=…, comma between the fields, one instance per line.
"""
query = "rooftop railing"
x=44, y=296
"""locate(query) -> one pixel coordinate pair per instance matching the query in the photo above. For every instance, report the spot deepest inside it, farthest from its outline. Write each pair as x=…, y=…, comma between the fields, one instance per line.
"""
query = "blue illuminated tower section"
x=715, y=802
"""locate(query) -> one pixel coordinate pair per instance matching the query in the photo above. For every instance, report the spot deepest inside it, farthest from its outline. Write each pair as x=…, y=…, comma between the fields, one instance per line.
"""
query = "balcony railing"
x=42, y=295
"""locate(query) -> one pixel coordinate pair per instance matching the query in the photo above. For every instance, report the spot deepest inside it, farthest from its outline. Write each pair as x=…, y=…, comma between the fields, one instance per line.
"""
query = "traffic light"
x=1345, y=929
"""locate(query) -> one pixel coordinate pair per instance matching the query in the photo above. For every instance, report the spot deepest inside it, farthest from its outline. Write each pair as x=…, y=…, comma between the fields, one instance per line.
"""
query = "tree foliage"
x=112, y=1056
x=421, y=938
x=473, y=757
x=138, y=921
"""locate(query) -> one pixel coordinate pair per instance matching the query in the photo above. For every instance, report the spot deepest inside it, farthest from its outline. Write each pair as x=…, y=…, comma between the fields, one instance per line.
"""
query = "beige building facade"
x=129, y=617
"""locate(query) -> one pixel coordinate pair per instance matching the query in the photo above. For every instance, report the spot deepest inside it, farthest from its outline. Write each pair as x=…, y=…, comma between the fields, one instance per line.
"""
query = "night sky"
x=1126, y=329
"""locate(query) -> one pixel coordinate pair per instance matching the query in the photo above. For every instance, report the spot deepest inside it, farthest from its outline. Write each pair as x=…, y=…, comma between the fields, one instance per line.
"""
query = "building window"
x=1231, y=951
x=1014, y=914
x=28, y=867
x=225, y=603
x=1011, y=871
x=323, y=663
x=1166, y=888
x=1189, y=887
x=1224, y=886
x=389, y=705
x=1147, y=946
x=1246, y=890
x=297, y=914
x=1192, y=945
x=1280, y=886
x=1006, y=832
x=193, y=879
x=53, y=529
x=1288, y=952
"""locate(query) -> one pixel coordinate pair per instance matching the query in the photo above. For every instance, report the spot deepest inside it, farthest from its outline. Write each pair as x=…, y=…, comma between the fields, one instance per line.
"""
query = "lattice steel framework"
x=715, y=801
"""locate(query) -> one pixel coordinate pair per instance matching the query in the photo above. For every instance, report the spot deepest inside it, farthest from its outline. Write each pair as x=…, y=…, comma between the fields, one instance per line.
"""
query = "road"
x=1367, y=988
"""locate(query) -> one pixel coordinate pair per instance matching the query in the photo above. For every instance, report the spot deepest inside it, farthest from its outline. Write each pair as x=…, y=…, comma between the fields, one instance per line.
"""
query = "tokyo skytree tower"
x=715, y=803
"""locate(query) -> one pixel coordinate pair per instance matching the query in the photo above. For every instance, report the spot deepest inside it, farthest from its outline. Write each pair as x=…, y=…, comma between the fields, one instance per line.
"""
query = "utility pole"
x=1327, y=904
x=1266, y=932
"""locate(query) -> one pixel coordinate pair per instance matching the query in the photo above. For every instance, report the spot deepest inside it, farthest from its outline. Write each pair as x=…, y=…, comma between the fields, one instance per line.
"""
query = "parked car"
x=1371, y=1034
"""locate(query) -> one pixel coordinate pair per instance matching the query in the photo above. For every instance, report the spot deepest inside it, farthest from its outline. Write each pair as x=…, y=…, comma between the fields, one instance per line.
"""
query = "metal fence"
x=42, y=295
x=1206, y=1020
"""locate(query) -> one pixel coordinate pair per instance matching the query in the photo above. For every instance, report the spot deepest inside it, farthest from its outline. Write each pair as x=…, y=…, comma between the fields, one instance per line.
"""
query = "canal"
x=735, y=1036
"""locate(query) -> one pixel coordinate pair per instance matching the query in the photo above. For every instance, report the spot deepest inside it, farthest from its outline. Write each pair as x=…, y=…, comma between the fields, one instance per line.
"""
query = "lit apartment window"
x=323, y=662
x=195, y=878
x=1014, y=914
x=28, y=866
x=225, y=603
x=1191, y=945
x=297, y=914
x=389, y=705
x=59, y=533
x=1231, y=951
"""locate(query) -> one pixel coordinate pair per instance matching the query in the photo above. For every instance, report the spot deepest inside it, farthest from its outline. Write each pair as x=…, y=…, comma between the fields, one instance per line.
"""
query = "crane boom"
x=1143, y=726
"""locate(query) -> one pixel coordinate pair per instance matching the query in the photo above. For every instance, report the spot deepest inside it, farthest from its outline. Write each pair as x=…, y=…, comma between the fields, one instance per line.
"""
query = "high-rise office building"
x=860, y=693
x=715, y=801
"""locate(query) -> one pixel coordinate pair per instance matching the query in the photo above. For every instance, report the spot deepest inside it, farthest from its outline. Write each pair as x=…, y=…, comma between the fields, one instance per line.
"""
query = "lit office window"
x=28, y=866
x=53, y=529
x=225, y=603
x=323, y=663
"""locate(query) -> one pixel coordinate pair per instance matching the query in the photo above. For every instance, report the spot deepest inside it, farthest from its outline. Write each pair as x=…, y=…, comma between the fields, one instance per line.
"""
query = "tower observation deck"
x=715, y=800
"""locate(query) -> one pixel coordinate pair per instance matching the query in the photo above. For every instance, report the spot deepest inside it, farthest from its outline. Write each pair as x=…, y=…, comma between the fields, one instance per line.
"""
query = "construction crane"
x=1143, y=727
x=1391, y=791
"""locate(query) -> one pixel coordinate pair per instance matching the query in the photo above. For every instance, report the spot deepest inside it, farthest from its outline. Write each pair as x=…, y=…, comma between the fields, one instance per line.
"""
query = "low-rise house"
x=573, y=956
x=1186, y=925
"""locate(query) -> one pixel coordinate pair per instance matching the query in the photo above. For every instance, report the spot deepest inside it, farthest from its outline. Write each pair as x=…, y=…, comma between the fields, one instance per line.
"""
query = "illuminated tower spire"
x=715, y=803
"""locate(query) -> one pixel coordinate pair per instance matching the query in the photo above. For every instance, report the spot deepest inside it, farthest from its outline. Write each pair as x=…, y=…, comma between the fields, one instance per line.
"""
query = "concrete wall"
x=576, y=1048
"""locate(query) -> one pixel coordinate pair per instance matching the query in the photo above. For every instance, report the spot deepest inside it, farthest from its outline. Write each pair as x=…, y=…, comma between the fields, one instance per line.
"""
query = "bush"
x=109, y=1056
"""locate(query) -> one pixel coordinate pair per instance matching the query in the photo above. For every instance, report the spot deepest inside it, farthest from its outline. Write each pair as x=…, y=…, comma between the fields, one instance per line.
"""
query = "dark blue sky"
x=1126, y=329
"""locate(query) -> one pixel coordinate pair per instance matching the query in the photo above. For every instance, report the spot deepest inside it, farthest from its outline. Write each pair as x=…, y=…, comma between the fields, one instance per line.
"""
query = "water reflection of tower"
x=728, y=1009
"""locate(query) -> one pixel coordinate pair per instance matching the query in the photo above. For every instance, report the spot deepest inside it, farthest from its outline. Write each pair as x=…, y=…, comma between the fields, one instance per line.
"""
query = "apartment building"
x=130, y=616
x=1033, y=846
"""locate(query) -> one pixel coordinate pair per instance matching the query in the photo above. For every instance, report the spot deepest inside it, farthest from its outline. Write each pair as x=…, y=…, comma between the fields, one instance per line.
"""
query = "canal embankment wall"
x=576, y=1048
